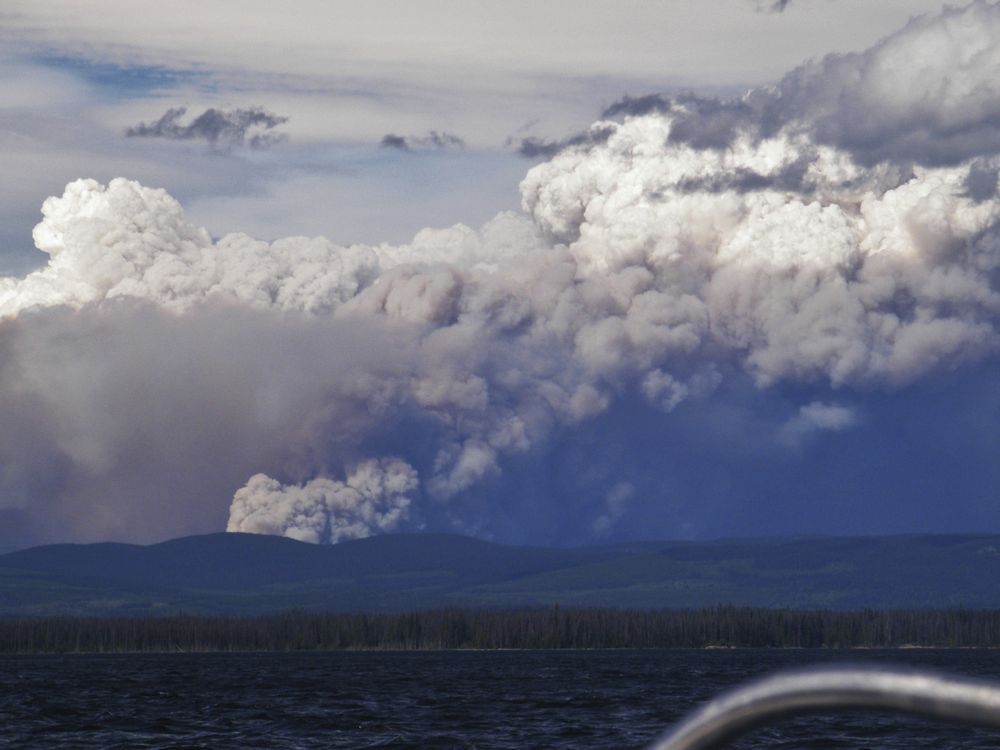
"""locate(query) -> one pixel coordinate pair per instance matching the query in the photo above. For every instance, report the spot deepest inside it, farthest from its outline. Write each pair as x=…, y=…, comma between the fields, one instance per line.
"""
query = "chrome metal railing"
x=797, y=692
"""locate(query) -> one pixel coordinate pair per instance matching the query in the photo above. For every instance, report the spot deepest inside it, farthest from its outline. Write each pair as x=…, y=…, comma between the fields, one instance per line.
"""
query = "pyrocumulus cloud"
x=836, y=231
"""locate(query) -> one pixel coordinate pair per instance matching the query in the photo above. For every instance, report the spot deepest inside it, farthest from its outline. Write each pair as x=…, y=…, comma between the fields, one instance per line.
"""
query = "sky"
x=551, y=273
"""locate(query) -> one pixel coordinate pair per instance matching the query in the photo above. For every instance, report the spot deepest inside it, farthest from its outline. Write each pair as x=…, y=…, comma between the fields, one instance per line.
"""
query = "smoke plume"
x=374, y=497
x=695, y=279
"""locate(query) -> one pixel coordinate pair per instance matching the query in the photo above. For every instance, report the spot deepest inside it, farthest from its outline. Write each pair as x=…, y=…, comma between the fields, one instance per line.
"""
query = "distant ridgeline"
x=556, y=628
x=250, y=575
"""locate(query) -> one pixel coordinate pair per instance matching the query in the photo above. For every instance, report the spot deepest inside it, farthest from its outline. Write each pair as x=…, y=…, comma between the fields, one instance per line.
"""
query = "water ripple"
x=496, y=700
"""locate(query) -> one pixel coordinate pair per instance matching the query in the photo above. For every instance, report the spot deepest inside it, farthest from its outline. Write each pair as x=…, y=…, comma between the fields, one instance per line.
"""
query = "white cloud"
x=814, y=418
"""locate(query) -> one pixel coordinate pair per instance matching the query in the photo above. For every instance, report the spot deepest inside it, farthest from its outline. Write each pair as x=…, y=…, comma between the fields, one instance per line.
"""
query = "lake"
x=464, y=699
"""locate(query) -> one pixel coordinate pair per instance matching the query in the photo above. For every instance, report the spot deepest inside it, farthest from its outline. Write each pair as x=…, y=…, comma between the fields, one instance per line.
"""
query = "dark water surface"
x=567, y=699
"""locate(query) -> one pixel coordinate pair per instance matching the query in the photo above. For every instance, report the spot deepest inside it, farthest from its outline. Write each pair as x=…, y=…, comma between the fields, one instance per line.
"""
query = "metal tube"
x=796, y=692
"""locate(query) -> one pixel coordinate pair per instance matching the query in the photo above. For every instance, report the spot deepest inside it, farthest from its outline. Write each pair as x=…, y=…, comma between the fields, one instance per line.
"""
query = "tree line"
x=556, y=628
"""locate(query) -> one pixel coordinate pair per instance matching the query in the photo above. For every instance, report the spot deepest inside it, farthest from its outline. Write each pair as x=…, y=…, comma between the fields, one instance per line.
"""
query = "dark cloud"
x=391, y=140
x=709, y=123
x=981, y=183
x=443, y=140
x=542, y=148
x=636, y=106
x=534, y=147
x=434, y=141
x=237, y=127
x=792, y=178
x=703, y=122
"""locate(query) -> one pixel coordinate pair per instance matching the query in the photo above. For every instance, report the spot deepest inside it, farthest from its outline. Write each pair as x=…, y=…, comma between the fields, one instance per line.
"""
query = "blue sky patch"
x=124, y=81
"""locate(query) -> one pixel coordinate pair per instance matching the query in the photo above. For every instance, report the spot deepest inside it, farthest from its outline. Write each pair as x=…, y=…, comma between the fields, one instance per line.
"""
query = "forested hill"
x=240, y=573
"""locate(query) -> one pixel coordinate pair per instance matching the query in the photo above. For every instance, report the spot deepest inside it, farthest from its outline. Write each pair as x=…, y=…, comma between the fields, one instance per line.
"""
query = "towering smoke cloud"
x=702, y=271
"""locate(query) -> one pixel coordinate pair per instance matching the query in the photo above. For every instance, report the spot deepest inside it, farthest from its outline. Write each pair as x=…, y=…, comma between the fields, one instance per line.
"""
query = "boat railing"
x=796, y=692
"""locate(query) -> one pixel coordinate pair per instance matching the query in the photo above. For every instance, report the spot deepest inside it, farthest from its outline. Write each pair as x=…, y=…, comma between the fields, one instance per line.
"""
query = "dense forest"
x=514, y=629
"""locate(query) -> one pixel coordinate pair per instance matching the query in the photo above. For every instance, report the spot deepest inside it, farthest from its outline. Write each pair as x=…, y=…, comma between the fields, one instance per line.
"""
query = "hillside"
x=242, y=573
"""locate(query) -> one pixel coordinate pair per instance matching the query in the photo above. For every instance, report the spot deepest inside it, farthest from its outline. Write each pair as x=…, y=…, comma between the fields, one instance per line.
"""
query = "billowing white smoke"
x=126, y=240
x=649, y=263
x=374, y=497
x=860, y=274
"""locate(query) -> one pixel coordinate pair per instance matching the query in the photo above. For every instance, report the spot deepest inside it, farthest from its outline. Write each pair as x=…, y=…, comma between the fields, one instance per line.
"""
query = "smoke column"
x=689, y=275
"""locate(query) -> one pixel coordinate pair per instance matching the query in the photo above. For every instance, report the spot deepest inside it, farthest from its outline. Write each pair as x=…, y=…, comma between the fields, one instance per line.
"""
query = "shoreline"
x=687, y=649
x=714, y=629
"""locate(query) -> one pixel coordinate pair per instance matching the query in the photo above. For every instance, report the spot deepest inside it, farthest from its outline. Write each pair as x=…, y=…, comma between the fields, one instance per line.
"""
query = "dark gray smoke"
x=237, y=127
x=541, y=148
x=637, y=106
x=434, y=140
x=391, y=140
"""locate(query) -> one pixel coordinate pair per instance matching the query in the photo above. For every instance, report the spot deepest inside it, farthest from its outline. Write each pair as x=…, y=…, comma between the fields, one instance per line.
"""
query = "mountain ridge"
x=250, y=574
